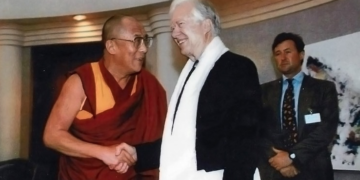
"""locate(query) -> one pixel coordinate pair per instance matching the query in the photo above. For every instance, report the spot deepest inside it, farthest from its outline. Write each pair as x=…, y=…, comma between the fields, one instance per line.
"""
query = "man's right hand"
x=108, y=156
x=118, y=157
x=127, y=155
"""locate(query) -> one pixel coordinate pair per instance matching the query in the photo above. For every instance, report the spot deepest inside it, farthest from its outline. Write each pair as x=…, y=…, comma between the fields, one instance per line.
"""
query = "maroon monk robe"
x=137, y=117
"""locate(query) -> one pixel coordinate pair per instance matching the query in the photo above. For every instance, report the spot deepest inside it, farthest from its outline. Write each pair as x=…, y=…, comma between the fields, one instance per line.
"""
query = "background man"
x=302, y=118
x=211, y=127
x=106, y=103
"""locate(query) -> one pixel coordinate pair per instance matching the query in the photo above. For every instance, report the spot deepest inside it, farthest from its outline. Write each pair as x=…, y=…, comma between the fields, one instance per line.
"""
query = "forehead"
x=182, y=11
x=132, y=27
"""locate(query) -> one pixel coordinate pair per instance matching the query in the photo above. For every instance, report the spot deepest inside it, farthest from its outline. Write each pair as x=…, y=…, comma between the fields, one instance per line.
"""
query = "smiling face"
x=191, y=35
x=288, y=58
x=127, y=57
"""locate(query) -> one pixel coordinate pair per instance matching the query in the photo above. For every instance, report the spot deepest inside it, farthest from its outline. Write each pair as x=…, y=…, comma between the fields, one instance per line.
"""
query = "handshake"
x=119, y=157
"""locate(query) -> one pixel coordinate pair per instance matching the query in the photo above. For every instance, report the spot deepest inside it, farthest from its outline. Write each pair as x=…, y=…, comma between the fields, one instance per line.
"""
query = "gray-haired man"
x=212, y=122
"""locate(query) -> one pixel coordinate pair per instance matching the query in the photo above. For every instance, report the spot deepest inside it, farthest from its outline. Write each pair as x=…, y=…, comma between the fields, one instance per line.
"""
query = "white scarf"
x=178, y=156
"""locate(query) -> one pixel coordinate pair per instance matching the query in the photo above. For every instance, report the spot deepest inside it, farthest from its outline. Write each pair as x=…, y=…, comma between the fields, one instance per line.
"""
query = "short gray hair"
x=202, y=10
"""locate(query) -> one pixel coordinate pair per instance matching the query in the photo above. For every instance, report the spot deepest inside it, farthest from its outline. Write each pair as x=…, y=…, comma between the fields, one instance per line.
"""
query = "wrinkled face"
x=129, y=57
x=288, y=59
x=187, y=32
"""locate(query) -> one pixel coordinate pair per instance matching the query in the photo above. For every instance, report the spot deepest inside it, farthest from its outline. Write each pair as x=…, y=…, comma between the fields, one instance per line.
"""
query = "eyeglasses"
x=138, y=40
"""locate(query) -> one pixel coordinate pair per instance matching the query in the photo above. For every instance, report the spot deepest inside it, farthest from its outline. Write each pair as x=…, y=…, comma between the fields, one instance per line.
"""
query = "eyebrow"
x=139, y=35
x=279, y=50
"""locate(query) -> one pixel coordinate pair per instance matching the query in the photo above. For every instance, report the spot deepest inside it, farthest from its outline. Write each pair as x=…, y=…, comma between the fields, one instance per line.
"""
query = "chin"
x=283, y=70
x=184, y=51
x=137, y=70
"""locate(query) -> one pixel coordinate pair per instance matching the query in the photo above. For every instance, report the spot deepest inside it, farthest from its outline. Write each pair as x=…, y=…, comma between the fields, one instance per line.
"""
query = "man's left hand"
x=280, y=160
x=289, y=171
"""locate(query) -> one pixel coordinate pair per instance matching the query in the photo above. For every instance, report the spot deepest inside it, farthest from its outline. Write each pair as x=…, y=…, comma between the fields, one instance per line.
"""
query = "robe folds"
x=111, y=115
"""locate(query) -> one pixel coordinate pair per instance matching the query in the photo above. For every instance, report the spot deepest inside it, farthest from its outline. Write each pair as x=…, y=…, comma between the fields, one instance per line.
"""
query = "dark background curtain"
x=51, y=63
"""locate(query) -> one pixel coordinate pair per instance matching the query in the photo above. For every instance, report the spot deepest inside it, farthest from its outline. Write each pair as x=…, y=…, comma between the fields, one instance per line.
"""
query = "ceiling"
x=97, y=15
x=25, y=12
x=20, y=9
x=46, y=28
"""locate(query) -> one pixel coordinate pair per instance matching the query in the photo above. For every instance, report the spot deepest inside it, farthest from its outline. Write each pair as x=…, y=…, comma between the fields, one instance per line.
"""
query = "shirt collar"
x=298, y=78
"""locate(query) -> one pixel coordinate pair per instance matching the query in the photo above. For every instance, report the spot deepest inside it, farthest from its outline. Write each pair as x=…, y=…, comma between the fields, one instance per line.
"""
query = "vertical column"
x=26, y=102
x=169, y=61
x=10, y=91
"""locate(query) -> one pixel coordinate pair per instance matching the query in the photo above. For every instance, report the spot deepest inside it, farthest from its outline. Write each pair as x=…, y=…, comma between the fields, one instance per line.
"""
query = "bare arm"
x=57, y=136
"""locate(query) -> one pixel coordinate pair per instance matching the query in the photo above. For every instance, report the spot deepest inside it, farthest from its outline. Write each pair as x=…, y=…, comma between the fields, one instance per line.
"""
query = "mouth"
x=180, y=42
x=140, y=59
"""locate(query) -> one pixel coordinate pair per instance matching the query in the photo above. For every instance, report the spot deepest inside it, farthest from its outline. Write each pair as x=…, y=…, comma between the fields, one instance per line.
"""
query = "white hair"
x=202, y=10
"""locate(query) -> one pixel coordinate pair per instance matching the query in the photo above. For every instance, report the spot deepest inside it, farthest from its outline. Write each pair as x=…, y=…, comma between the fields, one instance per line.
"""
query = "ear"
x=110, y=46
x=302, y=55
x=207, y=26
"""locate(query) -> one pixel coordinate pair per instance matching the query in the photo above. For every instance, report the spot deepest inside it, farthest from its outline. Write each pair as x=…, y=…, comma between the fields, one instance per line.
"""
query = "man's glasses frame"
x=138, y=40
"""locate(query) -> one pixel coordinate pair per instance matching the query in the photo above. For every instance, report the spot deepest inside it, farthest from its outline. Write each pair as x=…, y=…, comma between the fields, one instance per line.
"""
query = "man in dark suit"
x=211, y=126
x=301, y=119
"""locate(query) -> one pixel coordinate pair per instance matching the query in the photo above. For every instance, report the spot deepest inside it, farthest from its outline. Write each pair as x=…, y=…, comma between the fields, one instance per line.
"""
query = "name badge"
x=312, y=118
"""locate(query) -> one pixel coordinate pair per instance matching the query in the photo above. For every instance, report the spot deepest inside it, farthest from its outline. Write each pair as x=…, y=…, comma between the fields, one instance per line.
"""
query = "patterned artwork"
x=338, y=60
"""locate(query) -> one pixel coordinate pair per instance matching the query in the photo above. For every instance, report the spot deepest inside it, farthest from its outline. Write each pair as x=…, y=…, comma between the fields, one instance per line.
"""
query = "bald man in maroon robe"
x=109, y=110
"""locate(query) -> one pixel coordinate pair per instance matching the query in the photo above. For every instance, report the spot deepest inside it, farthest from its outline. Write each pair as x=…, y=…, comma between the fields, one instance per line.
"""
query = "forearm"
x=148, y=155
x=242, y=154
x=243, y=141
x=66, y=143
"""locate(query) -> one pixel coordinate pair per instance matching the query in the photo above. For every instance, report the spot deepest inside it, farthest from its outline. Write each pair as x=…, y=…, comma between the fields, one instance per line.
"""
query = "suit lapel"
x=304, y=103
x=276, y=99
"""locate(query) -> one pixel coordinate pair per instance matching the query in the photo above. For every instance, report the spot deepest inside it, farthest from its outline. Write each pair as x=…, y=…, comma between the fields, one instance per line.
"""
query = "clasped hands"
x=119, y=157
x=283, y=163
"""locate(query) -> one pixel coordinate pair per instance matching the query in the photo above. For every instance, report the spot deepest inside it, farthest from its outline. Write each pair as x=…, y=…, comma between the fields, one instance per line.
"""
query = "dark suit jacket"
x=227, y=118
x=312, y=154
x=227, y=121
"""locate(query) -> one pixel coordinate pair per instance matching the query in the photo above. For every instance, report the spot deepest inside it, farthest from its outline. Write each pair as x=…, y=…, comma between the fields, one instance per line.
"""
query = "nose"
x=174, y=31
x=282, y=56
x=142, y=47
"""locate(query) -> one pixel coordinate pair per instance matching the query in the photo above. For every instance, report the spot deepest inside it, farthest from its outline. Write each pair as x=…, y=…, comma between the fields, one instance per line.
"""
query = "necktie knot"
x=290, y=84
x=290, y=81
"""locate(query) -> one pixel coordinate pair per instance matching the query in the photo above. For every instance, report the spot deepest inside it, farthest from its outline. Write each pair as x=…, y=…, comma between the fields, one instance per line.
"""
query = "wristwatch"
x=292, y=155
